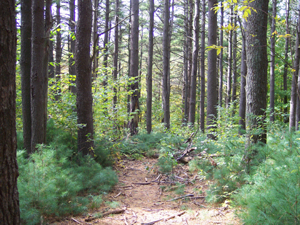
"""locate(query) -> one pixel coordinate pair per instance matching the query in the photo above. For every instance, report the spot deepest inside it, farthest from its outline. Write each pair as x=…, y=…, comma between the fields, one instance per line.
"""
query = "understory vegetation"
x=55, y=181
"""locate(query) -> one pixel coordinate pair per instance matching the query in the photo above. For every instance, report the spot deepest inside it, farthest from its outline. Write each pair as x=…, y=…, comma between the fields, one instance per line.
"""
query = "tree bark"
x=149, y=72
x=9, y=203
x=202, y=69
x=58, y=51
x=212, y=95
x=25, y=65
x=105, y=43
x=166, y=64
x=116, y=50
x=229, y=70
x=192, y=109
x=134, y=68
x=95, y=39
x=257, y=65
x=272, y=66
x=242, y=109
x=285, y=99
x=220, y=97
x=84, y=99
x=234, y=65
x=293, y=101
x=37, y=77
x=185, y=66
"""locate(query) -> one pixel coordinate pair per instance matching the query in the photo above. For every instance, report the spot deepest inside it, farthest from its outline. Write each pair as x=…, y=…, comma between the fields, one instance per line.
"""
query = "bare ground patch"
x=144, y=196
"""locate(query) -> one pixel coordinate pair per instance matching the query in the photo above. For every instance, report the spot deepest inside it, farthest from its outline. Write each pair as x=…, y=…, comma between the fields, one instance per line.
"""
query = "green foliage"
x=272, y=193
x=50, y=184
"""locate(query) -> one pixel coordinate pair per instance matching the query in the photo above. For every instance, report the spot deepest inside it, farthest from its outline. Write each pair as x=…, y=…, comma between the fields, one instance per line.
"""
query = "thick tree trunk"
x=9, y=203
x=285, y=98
x=293, y=101
x=149, y=72
x=25, y=65
x=58, y=51
x=202, y=69
x=37, y=77
x=72, y=44
x=84, y=100
x=192, y=109
x=221, y=59
x=257, y=65
x=134, y=68
x=166, y=64
x=212, y=95
x=272, y=66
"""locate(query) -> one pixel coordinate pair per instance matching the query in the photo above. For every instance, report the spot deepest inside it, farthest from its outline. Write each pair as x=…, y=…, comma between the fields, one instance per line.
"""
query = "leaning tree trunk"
x=134, y=68
x=9, y=203
x=84, y=99
x=149, y=73
x=25, y=65
x=37, y=78
x=194, y=64
x=212, y=95
x=166, y=64
x=272, y=66
x=257, y=73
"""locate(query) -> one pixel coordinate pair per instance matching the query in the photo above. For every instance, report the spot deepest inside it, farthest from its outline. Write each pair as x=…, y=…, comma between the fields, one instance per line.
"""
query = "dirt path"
x=144, y=196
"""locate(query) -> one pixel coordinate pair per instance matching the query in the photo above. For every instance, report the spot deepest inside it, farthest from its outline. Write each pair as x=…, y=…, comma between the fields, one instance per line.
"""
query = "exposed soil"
x=144, y=196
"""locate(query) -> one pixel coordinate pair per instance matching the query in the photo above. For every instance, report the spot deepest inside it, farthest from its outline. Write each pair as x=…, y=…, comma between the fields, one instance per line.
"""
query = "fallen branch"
x=184, y=196
x=117, y=211
x=166, y=219
x=142, y=183
x=76, y=221
x=188, y=150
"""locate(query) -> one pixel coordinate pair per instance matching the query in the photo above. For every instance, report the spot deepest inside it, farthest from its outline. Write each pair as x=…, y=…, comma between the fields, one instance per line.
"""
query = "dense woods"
x=84, y=82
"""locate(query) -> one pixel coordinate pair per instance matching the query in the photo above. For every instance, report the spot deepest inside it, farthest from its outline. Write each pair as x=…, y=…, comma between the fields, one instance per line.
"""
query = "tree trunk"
x=234, y=66
x=105, y=43
x=194, y=64
x=229, y=70
x=116, y=50
x=9, y=203
x=293, y=101
x=37, y=77
x=212, y=95
x=134, y=68
x=272, y=66
x=202, y=69
x=185, y=65
x=257, y=65
x=285, y=99
x=95, y=38
x=166, y=64
x=58, y=51
x=84, y=99
x=221, y=58
x=149, y=72
x=72, y=69
x=48, y=23
x=242, y=109
x=25, y=65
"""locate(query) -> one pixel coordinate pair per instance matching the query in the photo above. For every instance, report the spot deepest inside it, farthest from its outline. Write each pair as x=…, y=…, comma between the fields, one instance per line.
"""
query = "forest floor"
x=145, y=196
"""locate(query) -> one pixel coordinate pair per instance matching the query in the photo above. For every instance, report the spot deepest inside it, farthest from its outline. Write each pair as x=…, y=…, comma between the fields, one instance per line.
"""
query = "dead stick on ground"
x=145, y=183
x=75, y=220
x=117, y=211
x=166, y=219
x=184, y=196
